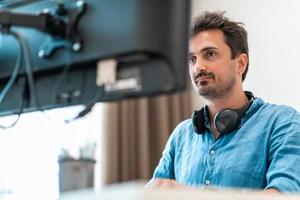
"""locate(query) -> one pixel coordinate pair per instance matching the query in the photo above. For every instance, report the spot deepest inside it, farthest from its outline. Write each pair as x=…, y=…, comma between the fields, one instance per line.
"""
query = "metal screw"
x=79, y=3
x=41, y=53
x=46, y=11
x=76, y=93
x=76, y=46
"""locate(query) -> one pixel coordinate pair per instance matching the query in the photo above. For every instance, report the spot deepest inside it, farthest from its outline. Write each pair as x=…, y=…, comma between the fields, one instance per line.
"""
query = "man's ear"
x=242, y=60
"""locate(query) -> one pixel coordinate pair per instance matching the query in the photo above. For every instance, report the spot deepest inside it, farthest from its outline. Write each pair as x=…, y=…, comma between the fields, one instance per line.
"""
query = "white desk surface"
x=135, y=191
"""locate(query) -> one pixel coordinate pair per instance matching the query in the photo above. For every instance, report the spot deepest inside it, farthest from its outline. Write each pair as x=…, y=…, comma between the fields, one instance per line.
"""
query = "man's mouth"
x=203, y=80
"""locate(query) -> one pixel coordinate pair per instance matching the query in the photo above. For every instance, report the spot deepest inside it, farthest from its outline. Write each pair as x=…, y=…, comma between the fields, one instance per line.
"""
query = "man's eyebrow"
x=203, y=50
x=209, y=48
x=190, y=54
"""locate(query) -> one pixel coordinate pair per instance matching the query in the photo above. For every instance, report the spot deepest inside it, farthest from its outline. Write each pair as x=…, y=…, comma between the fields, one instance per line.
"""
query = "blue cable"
x=16, y=70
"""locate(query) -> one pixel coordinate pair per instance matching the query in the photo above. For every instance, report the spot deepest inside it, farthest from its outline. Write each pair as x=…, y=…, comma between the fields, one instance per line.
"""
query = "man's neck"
x=232, y=100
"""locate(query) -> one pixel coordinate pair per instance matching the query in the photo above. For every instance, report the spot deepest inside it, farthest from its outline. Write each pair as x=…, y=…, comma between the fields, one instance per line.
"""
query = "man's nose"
x=200, y=65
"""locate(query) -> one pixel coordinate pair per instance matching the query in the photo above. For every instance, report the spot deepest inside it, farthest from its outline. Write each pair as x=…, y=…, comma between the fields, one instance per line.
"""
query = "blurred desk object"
x=75, y=174
x=135, y=191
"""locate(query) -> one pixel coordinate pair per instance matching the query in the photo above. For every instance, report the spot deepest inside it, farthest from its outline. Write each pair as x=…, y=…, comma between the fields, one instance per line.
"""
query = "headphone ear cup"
x=198, y=121
x=226, y=120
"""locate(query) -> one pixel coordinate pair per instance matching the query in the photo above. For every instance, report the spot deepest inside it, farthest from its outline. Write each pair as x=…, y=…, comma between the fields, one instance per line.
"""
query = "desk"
x=135, y=191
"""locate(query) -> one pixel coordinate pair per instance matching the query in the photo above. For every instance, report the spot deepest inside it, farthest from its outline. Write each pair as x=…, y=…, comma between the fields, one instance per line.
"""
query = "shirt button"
x=212, y=152
x=207, y=182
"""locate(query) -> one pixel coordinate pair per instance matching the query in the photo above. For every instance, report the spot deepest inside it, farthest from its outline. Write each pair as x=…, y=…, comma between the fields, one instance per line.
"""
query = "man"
x=236, y=140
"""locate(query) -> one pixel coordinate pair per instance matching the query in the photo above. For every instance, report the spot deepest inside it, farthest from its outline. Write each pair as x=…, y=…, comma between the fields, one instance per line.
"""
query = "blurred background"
x=123, y=140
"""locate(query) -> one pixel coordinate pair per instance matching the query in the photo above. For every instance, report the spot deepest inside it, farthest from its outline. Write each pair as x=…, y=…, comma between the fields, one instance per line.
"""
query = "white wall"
x=274, y=43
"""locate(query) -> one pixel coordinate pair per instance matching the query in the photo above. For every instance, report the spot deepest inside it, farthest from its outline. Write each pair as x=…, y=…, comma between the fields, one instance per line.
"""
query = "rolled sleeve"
x=284, y=155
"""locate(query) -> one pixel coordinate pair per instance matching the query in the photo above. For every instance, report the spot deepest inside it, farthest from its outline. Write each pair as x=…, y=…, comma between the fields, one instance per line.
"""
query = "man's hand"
x=165, y=183
x=271, y=191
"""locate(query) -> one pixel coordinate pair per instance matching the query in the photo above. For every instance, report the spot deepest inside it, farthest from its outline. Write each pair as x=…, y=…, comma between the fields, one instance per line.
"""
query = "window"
x=29, y=151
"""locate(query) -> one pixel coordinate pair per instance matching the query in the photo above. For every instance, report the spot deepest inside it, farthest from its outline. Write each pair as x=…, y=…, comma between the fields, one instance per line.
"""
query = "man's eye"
x=210, y=54
x=192, y=59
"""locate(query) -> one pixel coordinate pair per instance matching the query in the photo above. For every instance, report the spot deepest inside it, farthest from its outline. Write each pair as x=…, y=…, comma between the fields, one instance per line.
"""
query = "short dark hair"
x=235, y=35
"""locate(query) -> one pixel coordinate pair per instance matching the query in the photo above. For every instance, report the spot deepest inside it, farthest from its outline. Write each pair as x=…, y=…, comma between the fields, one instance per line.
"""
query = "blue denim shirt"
x=263, y=152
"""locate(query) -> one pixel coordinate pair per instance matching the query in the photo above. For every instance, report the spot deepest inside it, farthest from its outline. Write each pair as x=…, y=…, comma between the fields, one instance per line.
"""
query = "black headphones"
x=225, y=121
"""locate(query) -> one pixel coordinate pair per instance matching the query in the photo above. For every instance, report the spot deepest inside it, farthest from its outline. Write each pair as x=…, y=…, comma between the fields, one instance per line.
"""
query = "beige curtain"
x=135, y=133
